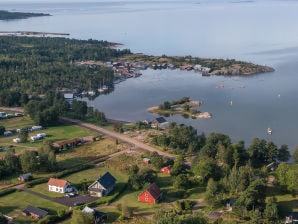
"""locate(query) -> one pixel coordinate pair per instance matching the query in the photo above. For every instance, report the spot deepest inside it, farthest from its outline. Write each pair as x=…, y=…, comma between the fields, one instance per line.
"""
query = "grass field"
x=13, y=205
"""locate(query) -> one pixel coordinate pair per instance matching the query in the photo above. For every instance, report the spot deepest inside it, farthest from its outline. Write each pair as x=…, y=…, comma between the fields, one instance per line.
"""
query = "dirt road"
x=119, y=136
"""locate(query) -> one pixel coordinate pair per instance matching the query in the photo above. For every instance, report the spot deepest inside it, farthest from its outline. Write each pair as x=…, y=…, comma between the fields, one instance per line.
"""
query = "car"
x=77, y=203
x=70, y=195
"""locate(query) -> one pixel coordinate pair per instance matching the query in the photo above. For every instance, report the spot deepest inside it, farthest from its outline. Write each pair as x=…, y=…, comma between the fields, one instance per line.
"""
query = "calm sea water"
x=258, y=31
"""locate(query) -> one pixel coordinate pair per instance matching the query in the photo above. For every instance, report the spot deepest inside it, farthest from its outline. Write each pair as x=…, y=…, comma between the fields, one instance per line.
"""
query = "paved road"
x=122, y=137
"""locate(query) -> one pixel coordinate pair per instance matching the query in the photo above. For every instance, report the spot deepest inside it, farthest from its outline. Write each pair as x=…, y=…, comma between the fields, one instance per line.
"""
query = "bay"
x=257, y=31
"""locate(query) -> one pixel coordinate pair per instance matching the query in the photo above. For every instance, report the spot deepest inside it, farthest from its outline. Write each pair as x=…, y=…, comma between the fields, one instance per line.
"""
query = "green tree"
x=177, y=166
x=206, y=169
x=29, y=162
x=194, y=219
x=79, y=108
x=271, y=210
x=283, y=153
x=2, y=130
x=181, y=182
x=165, y=217
x=78, y=217
x=156, y=160
x=211, y=190
x=47, y=157
x=23, y=135
x=295, y=154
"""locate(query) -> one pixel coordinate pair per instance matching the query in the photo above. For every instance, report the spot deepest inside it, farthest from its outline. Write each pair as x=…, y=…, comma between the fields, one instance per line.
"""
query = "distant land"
x=6, y=15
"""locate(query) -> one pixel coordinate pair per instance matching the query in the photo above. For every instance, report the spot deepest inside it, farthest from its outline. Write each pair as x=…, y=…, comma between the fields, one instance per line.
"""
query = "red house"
x=166, y=169
x=151, y=195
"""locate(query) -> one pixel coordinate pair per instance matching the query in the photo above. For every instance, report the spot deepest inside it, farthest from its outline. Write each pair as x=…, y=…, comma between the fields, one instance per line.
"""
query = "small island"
x=6, y=15
x=184, y=106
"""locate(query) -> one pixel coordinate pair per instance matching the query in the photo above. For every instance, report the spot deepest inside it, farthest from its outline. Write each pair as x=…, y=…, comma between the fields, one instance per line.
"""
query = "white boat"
x=269, y=131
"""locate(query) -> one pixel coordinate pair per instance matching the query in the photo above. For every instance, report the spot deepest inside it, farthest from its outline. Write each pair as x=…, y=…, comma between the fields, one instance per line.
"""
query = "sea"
x=262, y=32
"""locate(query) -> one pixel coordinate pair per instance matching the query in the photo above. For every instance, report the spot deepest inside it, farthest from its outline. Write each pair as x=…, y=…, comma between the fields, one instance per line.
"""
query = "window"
x=146, y=199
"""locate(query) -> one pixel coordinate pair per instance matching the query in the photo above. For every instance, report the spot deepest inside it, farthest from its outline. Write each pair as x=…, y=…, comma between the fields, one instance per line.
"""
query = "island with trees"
x=184, y=106
x=6, y=15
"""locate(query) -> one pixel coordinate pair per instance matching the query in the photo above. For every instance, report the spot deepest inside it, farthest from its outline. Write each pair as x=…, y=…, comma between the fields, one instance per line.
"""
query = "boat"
x=269, y=131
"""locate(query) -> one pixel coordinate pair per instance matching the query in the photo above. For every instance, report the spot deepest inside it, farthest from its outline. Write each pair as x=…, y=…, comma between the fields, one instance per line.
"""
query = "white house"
x=60, y=186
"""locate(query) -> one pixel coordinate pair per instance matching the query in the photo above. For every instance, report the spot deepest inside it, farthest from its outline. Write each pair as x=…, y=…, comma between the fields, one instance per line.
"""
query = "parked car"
x=78, y=203
x=70, y=195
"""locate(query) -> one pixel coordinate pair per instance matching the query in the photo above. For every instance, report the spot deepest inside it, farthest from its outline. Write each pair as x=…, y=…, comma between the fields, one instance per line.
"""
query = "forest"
x=33, y=66
x=6, y=15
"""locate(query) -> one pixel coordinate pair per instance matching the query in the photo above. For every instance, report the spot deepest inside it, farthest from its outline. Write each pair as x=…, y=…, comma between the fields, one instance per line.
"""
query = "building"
x=292, y=218
x=147, y=161
x=102, y=186
x=68, y=97
x=99, y=217
x=160, y=122
x=166, y=169
x=70, y=143
x=60, y=186
x=25, y=177
x=34, y=212
x=151, y=195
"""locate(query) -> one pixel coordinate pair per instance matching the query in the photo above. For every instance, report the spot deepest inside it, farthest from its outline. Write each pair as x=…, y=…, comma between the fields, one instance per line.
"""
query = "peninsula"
x=206, y=66
x=6, y=15
x=184, y=106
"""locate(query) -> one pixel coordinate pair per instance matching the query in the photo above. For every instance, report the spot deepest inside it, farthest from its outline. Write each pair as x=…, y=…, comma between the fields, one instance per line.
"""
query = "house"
x=99, y=217
x=68, y=97
x=160, y=122
x=146, y=161
x=229, y=204
x=166, y=169
x=102, y=186
x=34, y=212
x=292, y=218
x=60, y=186
x=151, y=195
x=64, y=145
x=25, y=177
x=272, y=166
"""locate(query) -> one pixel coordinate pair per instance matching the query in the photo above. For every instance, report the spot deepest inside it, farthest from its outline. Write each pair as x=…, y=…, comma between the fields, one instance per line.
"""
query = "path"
x=112, y=134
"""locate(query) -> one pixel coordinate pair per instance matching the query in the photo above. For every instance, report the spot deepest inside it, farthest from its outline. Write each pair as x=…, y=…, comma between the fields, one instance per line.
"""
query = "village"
x=124, y=69
x=95, y=176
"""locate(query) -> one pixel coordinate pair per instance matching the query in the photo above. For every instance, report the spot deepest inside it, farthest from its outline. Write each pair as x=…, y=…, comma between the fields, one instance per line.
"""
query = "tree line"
x=30, y=66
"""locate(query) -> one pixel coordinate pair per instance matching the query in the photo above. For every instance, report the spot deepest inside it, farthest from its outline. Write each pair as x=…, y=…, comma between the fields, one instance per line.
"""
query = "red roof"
x=154, y=190
x=57, y=182
x=166, y=169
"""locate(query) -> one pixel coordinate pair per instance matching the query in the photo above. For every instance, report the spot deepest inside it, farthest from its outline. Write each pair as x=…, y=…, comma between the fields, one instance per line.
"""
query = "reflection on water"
x=256, y=31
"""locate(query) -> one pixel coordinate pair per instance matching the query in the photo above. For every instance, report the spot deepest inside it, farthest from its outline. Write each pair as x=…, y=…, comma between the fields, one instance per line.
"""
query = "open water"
x=263, y=31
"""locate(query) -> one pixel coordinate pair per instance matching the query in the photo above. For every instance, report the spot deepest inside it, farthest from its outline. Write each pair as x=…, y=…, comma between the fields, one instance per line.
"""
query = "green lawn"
x=13, y=205
x=89, y=176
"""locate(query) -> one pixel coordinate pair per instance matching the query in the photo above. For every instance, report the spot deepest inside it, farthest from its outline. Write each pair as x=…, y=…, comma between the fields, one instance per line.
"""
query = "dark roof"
x=107, y=180
x=154, y=190
x=293, y=215
x=26, y=176
x=161, y=120
x=34, y=210
x=98, y=214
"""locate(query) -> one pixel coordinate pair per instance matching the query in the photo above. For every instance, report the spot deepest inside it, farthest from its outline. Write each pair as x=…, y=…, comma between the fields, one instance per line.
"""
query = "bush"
x=36, y=182
x=7, y=191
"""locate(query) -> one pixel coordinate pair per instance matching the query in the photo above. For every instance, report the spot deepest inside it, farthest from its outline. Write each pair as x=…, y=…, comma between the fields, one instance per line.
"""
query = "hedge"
x=58, y=175
x=7, y=191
